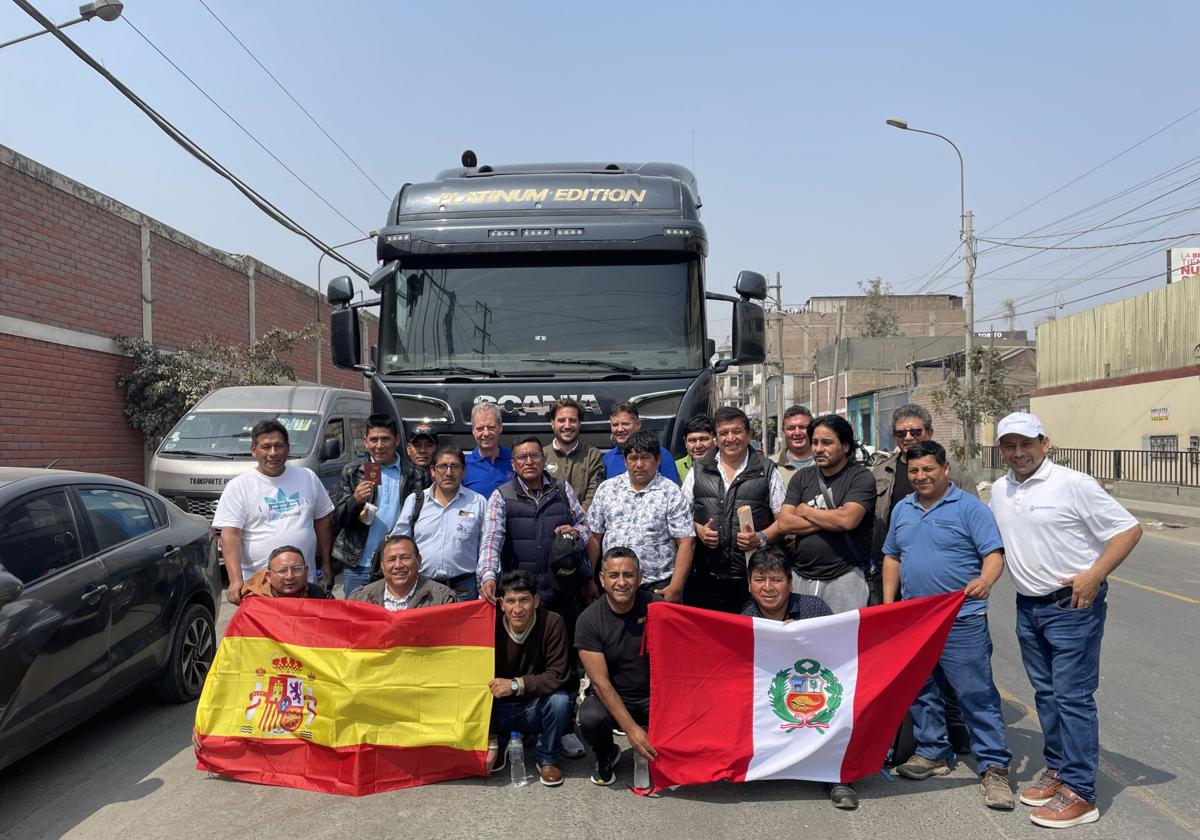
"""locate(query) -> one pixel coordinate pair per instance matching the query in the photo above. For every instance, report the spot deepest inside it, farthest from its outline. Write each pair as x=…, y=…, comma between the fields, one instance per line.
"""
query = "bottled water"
x=516, y=760
x=641, y=771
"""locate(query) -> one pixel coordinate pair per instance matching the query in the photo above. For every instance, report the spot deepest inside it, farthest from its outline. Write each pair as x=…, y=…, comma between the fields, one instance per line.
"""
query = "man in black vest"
x=524, y=517
x=729, y=477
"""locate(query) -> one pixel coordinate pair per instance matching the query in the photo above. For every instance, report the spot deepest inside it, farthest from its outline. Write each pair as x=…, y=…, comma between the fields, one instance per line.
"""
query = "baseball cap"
x=1020, y=423
x=564, y=562
x=423, y=430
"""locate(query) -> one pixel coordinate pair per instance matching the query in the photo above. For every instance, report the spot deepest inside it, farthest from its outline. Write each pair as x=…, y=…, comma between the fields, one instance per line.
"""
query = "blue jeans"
x=546, y=717
x=468, y=590
x=966, y=666
x=355, y=578
x=1060, y=647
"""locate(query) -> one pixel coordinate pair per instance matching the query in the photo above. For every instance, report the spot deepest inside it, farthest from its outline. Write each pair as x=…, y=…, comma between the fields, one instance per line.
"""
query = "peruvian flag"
x=740, y=699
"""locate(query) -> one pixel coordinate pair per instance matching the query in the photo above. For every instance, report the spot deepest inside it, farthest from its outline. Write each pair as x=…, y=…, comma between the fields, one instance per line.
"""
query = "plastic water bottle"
x=641, y=771
x=516, y=760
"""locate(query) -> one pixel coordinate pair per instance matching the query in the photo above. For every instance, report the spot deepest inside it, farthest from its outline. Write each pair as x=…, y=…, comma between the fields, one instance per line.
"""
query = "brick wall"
x=71, y=277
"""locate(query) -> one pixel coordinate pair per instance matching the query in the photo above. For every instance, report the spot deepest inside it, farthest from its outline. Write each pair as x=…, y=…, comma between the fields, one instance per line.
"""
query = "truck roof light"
x=568, y=231
x=502, y=232
x=674, y=231
x=537, y=232
x=398, y=237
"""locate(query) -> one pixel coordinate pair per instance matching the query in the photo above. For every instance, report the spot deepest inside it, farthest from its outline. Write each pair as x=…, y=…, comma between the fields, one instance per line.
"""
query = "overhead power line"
x=1090, y=247
x=296, y=102
x=190, y=146
x=243, y=128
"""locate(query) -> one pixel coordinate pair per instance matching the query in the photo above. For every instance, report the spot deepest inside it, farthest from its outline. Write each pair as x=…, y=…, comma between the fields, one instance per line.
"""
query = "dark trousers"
x=713, y=593
x=596, y=724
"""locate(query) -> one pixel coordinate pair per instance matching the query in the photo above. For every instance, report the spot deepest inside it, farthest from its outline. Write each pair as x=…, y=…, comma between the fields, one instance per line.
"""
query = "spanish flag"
x=345, y=697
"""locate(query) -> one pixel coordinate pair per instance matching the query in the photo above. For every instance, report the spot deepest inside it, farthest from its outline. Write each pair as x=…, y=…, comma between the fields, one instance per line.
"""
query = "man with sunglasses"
x=911, y=424
x=447, y=526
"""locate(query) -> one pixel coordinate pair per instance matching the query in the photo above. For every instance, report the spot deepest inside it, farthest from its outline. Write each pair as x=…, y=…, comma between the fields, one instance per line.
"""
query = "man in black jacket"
x=730, y=477
x=366, y=510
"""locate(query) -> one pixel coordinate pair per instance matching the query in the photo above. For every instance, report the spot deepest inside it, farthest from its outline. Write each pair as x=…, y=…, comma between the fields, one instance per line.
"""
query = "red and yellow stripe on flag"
x=345, y=697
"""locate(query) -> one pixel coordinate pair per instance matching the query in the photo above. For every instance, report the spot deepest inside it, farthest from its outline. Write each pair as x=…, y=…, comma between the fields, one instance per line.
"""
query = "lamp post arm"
x=42, y=32
x=962, y=177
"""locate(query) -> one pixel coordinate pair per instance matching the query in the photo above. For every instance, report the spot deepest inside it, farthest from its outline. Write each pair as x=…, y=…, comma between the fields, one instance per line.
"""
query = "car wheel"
x=192, y=650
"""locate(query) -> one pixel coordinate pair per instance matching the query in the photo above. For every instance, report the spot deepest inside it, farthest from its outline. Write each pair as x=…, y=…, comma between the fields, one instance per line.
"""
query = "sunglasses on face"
x=902, y=433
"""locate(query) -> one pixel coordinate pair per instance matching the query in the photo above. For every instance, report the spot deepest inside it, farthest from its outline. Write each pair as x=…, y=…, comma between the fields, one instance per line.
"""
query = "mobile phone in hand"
x=371, y=473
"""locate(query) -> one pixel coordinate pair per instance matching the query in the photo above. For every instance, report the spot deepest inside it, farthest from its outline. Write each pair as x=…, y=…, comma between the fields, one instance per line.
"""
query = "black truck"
x=519, y=285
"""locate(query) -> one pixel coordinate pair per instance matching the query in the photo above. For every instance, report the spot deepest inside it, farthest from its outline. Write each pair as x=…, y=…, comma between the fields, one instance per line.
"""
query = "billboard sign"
x=1182, y=264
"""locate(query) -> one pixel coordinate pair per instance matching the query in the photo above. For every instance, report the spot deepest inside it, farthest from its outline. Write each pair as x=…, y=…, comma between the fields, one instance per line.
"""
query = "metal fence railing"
x=1180, y=468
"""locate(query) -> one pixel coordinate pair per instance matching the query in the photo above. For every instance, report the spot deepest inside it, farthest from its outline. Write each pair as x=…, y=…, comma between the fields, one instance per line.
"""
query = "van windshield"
x=226, y=434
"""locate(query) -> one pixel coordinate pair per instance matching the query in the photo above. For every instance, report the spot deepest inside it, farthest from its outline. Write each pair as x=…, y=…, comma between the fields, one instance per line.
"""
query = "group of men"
x=572, y=545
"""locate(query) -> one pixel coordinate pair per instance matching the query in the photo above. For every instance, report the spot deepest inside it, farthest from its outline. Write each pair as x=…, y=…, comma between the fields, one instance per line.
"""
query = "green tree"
x=164, y=384
x=989, y=398
x=879, y=311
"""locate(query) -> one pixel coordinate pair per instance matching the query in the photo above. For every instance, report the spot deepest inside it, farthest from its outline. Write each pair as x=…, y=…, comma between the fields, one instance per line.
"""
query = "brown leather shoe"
x=1065, y=810
x=1041, y=790
x=551, y=775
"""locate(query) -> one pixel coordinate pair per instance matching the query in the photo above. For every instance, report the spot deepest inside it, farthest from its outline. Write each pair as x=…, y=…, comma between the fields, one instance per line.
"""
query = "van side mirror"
x=751, y=285
x=340, y=291
x=10, y=587
x=331, y=449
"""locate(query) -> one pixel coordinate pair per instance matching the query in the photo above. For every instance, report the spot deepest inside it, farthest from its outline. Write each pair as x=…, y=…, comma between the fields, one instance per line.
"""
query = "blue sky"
x=783, y=104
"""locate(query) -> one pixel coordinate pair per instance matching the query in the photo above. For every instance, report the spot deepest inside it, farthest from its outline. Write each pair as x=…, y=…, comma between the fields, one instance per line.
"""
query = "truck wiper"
x=491, y=374
x=225, y=455
x=595, y=362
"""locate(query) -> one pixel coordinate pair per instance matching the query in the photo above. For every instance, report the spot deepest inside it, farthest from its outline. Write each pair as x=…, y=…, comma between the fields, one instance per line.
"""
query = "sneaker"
x=997, y=792
x=572, y=747
x=604, y=773
x=1065, y=810
x=551, y=775
x=919, y=767
x=842, y=796
x=1041, y=790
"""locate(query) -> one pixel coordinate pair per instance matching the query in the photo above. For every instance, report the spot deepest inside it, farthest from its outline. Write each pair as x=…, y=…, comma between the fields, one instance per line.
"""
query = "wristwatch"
x=515, y=686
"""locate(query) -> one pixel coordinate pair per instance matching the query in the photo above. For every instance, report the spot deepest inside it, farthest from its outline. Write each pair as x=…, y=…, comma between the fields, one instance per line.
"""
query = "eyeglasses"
x=532, y=456
x=901, y=433
x=290, y=570
x=442, y=469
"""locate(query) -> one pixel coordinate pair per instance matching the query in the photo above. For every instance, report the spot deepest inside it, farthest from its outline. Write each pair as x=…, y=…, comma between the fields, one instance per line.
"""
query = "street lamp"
x=108, y=10
x=967, y=233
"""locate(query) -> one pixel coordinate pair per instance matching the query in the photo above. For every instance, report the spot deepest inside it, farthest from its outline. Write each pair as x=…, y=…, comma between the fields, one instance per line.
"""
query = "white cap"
x=1020, y=423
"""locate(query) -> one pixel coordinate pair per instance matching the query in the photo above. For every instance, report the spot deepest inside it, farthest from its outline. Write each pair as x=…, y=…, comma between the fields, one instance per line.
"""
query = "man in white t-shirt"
x=1063, y=536
x=270, y=506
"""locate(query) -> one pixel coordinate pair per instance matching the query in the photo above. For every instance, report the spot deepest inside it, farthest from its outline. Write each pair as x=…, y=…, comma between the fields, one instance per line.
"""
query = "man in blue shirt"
x=446, y=525
x=489, y=465
x=942, y=540
x=623, y=419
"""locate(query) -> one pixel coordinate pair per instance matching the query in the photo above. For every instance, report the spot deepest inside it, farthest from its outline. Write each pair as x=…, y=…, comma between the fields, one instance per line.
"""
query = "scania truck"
x=518, y=285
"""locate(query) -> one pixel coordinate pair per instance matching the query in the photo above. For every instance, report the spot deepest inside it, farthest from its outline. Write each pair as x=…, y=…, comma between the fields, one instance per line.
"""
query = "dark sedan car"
x=104, y=587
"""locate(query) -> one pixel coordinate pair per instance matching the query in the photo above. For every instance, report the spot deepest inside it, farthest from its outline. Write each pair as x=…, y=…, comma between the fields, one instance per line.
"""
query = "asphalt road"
x=129, y=772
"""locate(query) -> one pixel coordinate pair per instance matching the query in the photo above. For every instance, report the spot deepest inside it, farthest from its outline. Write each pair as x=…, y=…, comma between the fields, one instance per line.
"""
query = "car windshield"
x=552, y=316
x=226, y=434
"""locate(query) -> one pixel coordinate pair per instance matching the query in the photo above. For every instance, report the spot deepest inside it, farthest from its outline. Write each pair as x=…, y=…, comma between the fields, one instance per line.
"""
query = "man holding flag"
x=943, y=540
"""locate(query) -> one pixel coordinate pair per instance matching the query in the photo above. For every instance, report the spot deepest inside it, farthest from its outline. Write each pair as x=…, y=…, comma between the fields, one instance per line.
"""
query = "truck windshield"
x=554, y=316
x=226, y=434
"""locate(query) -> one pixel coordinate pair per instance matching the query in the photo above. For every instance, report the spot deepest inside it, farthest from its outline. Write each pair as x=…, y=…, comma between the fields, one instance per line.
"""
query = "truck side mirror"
x=751, y=285
x=340, y=291
x=749, y=333
x=331, y=449
x=344, y=340
x=10, y=587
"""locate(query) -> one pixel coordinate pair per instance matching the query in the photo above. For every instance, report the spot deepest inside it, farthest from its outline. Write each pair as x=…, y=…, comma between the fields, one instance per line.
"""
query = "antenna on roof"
x=469, y=159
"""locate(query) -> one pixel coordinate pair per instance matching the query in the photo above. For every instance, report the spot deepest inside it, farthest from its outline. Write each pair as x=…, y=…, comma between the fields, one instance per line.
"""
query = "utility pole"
x=837, y=353
x=969, y=245
x=764, y=391
x=779, y=407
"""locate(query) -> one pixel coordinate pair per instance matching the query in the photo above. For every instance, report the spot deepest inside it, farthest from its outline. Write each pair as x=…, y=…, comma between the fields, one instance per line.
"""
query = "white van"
x=211, y=444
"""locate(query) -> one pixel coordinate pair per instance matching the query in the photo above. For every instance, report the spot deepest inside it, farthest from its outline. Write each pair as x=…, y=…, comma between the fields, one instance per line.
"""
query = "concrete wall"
x=1103, y=417
x=77, y=268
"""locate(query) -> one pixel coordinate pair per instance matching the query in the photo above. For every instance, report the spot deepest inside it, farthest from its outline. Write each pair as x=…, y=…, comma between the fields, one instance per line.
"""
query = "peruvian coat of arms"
x=805, y=696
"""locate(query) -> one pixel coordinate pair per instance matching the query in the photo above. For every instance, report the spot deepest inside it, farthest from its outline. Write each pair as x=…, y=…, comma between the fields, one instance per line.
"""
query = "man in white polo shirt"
x=1063, y=535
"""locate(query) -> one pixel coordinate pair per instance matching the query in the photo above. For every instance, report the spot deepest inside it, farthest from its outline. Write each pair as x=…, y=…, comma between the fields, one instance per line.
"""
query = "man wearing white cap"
x=1063, y=535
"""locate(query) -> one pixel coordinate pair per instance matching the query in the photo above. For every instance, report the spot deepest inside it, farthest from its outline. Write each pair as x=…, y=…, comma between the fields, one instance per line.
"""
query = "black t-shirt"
x=826, y=555
x=901, y=487
x=619, y=638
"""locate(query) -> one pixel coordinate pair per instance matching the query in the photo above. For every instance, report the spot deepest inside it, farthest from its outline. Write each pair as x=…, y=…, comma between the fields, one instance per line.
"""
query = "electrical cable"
x=190, y=146
x=295, y=101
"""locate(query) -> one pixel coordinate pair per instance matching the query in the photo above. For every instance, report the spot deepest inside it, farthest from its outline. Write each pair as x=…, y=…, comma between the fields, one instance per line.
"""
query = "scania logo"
x=518, y=406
